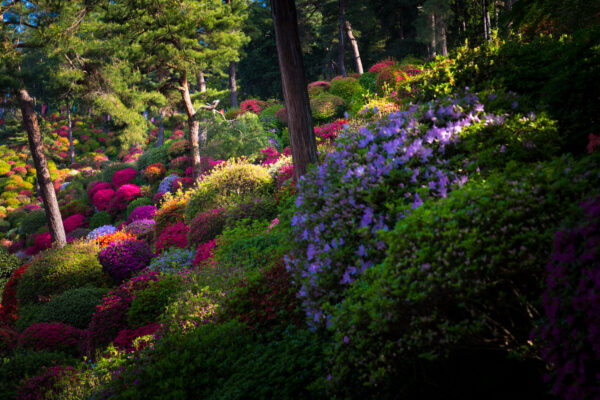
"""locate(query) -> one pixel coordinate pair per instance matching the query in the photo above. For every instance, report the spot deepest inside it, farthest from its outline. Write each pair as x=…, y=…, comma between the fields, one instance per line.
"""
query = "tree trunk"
x=232, y=86
x=484, y=12
x=57, y=230
x=70, y=126
x=201, y=82
x=161, y=130
x=341, y=64
x=194, y=127
x=488, y=24
x=354, y=44
x=433, y=49
x=295, y=93
x=443, y=41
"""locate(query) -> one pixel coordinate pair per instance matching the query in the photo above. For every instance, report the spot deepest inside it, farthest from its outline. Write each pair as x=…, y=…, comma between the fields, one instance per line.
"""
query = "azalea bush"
x=172, y=260
x=173, y=236
x=228, y=185
x=206, y=226
x=53, y=336
x=73, y=266
x=142, y=212
x=120, y=260
x=569, y=334
x=150, y=302
x=123, y=177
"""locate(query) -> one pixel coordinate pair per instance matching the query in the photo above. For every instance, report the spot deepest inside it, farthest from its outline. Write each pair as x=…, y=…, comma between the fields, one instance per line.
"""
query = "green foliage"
x=348, y=89
x=227, y=185
x=225, y=361
x=73, y=307
x=15, y=217
x=57, y=270
x=466, y=270
x=150, y=302
x=368, y=81
x=327, y=107
x=99, y=219
x=244, y=136
x=153, y=155
x=269, y=118
x=27, y=363
x=8, y=263
x=523, y=139
x=33, y=221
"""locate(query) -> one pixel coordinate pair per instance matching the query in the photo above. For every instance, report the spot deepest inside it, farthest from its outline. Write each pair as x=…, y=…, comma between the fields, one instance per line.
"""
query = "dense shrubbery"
x=173, y=236
x=56, y=271
x=454, y=285
x=122, y=259
x=53, y=336
x=206, y=226
x=228, y=185
x=150, y=302
x=8, y=264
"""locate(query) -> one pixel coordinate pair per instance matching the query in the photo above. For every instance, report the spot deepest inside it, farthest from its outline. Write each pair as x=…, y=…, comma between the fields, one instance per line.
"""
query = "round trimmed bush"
x=103, y=198
x=95, y=186
x=173, y=236
x=75, y=265
x=32, y=222
x=142, y=201
x=73, y=222
x=99, y=219
x=171, y=260
x=8, y=264
x=53, y=336
x=228, y=185
x=125, y=195
x=123, y=177
x=347, y=88
x=142, y=212
x=73, y=307
x=122, y=259
x=142, y=228
x=327, y=107
x=150, y=302
x=206, y=226
x=263, y=208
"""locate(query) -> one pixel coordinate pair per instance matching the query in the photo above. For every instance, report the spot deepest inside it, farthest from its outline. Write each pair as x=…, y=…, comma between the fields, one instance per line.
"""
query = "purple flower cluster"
x=142, y=212
x=141, y=227
x=373, y=178
x=167, y=183
x=122, y=259
x=570, y=336
x=101, y=231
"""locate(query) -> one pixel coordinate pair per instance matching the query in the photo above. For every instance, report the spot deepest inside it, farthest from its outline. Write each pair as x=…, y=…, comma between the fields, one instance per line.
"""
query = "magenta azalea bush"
x=103, y=198
x=73, y=222
x=126, y=337
x=142, y=212
x=206, y=226
x=52, y=336
x=121, y=260
x=45, y=385
x=570, y=335
x=123, y=177
x=174, y=235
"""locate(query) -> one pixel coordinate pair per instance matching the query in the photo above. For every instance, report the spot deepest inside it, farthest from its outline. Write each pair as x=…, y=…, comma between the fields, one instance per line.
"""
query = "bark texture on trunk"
x=201, y=82
x=193, y=126
x=295, y=93
x=354, y=44
x=443, y=41
x=161, y=130
x=341, y=64
x=485, y=20
x=70, y=126
x=433, y=49
x=233, y=97
x=57, y=230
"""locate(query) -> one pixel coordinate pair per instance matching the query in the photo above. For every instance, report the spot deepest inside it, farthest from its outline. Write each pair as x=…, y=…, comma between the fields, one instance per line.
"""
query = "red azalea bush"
x=95, y=186
x=155, y=172
x=45, y=385
x=570, y=335
x=284, y=174
x=253, y=106
x=181, y=163
x=103, y=198
x=52, y=336
x=8, y=308
x=73, y=222
x=376, y=68
x=390, y=77
x=322, y=84
x=329, y=132
x=173, y=236
x=121, y=260
x=205, y=254
x=265, y=299
x=126, y=337
x=270, y=155
x=8, y=340
x=281, y=116
x=111, y=315
x=206, y=226
x=125, y=195
x=593, y=143
x=178, y=148
x=170, y=213
x=123, y=177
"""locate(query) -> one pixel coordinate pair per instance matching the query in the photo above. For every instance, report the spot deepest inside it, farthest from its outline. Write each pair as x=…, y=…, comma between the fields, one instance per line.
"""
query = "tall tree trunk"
x=484, y=12
x=70, y=126
x=201, y=82
x=488, y=24
x=354, y=44
x=193, y=126
x=57, y=230
x=232, y=86
x=295, y=93
x=443, y=38
x=161, y=130
x=433, y=49
x=341, y=64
